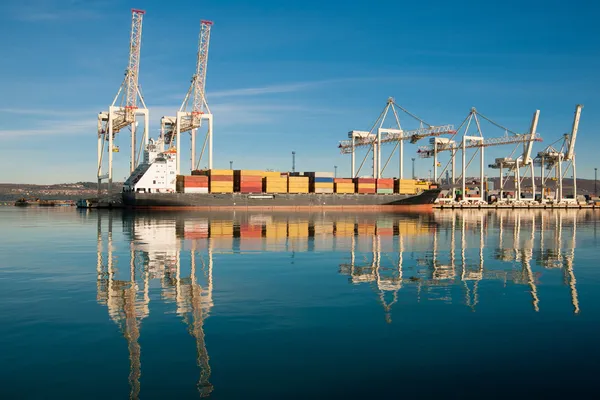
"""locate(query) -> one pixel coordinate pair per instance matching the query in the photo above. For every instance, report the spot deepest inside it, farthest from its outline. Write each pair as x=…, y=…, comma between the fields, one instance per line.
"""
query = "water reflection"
x=440, y=256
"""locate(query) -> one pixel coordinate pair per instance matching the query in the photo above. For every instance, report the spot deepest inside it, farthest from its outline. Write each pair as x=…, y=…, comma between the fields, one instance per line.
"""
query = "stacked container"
x=343, y=185
x=276, y=231
x=220, y=180
x=320, y=182
x=366, y=228
x=385, y=186
x=405, y=186
x=247, y=181
x=385, y=227
x=192, y=184
x=221, y=228
x=365, y=185
x=275, y=184
x=297, y=184
x=344, y=228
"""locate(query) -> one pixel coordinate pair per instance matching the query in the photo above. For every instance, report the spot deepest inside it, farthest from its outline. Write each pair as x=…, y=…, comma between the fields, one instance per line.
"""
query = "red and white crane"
x=124, y=110
x=194, y=108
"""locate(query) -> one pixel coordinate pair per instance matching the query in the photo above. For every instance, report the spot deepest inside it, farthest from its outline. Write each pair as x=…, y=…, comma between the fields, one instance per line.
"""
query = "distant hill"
x=59, y=191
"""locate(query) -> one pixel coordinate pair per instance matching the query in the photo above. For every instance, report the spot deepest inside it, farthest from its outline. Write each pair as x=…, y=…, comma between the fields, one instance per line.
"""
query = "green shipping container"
x=385, y=191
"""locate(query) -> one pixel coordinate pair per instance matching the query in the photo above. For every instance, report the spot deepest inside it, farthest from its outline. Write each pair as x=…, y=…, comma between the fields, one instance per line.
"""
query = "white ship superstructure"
x=158, y=172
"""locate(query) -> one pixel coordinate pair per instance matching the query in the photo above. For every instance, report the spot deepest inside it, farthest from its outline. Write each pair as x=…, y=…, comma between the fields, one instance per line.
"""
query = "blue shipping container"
x=323, y=180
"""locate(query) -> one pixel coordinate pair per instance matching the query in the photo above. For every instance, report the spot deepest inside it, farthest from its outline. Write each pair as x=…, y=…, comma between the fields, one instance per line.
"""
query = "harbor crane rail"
x=378, y=135
x=194, y=108
x=124, y=109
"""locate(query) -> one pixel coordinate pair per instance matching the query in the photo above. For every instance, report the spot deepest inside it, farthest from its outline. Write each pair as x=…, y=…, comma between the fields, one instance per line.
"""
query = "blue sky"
x=294, y=75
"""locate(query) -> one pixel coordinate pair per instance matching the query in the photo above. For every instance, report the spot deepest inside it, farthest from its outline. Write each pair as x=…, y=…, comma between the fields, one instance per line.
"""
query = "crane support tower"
x=194, y=108
x=558, y=162
x=377, y=136
x=125, y=109
x=470, y=141
x=514, y=166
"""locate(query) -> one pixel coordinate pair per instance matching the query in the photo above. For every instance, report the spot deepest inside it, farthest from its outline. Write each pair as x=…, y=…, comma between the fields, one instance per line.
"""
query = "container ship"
x=154, y=184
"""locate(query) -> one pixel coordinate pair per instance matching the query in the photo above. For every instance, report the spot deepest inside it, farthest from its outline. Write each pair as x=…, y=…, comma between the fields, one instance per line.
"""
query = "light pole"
x=230, y=164
x=413, y=168
x=335, y=171
x=293, y=161
x=595, y=182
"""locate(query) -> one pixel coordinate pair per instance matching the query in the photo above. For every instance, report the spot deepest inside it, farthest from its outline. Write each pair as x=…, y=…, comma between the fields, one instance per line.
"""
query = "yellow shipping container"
x=366, y=229
x=221, y=228
x=298, y=229
x=344, y=228
x=407, y=181
x=225, y=172
x=323, y=185
x=276, y=230
x=298, y=190
x=366, y=185
x=298, y=179
x=270, y=189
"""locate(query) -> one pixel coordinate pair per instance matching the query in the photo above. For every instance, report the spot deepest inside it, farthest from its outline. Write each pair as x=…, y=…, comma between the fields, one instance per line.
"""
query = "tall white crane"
x=374, y=139
x=514, y=166
x=194, y=108
x=124, y=109
x=470, y=141
x=561, y=161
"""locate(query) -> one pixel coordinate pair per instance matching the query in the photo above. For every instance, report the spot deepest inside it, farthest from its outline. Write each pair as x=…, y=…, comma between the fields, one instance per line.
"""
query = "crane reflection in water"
x=434, y=255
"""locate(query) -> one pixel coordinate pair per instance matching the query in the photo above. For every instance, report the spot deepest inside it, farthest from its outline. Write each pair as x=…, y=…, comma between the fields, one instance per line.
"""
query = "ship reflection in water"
x=439, y=256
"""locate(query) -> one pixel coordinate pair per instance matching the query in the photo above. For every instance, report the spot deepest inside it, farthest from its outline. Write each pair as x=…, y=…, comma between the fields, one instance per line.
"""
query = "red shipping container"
x=251, y=179
x=195, y=184
x=221, y=178
x=363, y=190
x=365, y=180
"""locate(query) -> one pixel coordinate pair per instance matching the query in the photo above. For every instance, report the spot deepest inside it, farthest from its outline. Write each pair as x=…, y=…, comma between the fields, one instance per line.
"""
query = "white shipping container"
x=195, y=190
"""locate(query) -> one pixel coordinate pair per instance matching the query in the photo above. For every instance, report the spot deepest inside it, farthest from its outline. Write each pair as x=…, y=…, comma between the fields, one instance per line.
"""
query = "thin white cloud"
x=53, y=128
x=61, y=123
x=283, y=88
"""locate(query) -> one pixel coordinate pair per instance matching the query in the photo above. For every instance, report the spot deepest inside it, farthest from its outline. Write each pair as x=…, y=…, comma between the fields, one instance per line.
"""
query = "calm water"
x=277, y=306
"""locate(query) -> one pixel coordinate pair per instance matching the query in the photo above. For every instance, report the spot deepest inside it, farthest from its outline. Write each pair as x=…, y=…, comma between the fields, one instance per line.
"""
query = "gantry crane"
x=514, y=166
x=194, y=108
x=470, y=141
x=553, y=161
x=124, y=109
x=373, y=140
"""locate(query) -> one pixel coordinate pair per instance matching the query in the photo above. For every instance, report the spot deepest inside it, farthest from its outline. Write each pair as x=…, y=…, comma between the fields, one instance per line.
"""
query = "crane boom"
x=133, y=67
x=573, y=136
x=196, y=93
x=395, y=135
x=427, y=151
x=129, y=89
x=529, y=146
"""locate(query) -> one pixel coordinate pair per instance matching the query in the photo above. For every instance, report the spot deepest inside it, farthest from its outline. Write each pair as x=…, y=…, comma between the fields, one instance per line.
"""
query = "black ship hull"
x=284, y=201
